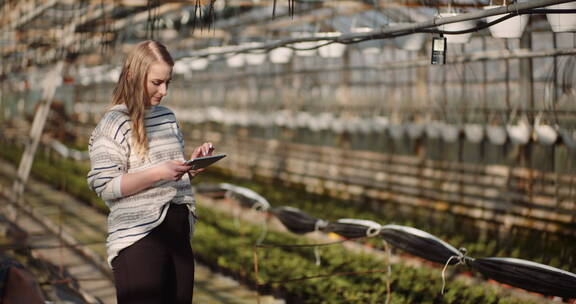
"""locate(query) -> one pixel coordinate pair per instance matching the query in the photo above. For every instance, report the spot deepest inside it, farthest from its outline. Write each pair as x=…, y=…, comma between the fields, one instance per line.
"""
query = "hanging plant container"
x=370, y=46
x=496, y=135
x=198, y=64
x=351, y=126
x=281, y=55
x=412, y=42
x=337, y=126
x=457, y=26
x=255, y=58
x=562, y=22
x=519, y=134
x=450, y=133
x=569, y=138
x=235, y=61
x=333, y=50
x=305, y=45
x=474, y=133
x=545, y=134
x=358, y=125
x=396, y=130
x=415, y=130
x=380, y=124
x=509, y=28
x=433, y=129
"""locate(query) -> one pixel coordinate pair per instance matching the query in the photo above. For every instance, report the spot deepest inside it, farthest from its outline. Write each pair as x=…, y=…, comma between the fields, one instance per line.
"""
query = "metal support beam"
x=49, y=87
x=395, y=29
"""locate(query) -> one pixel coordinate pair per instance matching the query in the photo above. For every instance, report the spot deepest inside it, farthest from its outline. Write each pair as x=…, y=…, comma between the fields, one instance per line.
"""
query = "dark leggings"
x=158, y=268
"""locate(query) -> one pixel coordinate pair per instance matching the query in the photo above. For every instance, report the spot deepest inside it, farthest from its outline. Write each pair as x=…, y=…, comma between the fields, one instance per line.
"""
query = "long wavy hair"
x=131, y=87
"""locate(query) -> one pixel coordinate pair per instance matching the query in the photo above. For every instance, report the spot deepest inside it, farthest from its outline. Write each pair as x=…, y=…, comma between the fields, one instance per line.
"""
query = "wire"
x=286, y=43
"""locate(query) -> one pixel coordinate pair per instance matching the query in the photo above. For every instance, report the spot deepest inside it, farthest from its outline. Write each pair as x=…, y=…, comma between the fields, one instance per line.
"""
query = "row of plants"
x=63, y=174
x=70, y=176
x=231, y=252
x=541, y=247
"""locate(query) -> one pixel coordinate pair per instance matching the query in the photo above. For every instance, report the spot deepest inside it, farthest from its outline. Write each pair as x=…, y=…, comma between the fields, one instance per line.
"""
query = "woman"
x=138, y=169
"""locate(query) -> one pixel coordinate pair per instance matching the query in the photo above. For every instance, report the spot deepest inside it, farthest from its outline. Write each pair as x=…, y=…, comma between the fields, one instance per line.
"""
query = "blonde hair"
x=131, y=87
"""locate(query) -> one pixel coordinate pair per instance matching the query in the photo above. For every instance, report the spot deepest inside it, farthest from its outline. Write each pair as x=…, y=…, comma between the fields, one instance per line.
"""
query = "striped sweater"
x=132, y=217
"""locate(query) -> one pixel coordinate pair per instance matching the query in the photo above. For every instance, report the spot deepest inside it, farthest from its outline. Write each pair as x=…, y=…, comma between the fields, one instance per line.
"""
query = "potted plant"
x=562, y=22
x=411, y=42
x=474, y=132
x=280, y=55
x=456, y=26
x=332, y=50
x=509, y=28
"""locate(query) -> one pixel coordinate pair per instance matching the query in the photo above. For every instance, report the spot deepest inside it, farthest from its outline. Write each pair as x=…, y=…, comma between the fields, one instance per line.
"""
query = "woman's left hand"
x=205, y=149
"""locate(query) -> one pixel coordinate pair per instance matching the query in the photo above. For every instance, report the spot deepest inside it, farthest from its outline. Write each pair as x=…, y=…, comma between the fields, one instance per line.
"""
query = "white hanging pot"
x=333, y=50
x=433, y=129
x=198, y=64
x=350, y=126
x=305, y=45
x=545, y=134
x=569, y=138
x=562, y=22
x=364, y=127
x=281, y=55
x=412, y=42
x=450, y=133
x=324, y=121
x=180, y=67
x=379, y=124
x=474, y=133
x=114, y=74
x=496, y=135
x=337, y=126
x=373, y=46
x=235, y=61
x=303, y=119
x=457, y=26
x=509, y=28
x=415, y=130
x=519, y=134
x=255, y=58
x=396, y=130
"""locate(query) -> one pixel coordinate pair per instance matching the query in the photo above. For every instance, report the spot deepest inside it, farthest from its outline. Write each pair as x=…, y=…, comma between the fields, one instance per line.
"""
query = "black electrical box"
x=439, y=50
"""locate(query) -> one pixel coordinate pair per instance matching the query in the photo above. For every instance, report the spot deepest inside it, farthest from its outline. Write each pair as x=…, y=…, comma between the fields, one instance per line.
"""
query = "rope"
x=461, y=257
x=388, y=255
x=318, y=262
x=264, y=232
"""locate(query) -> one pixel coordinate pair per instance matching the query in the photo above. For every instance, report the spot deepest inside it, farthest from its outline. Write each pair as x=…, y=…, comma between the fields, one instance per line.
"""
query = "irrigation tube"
x=388, y=31
x=520, y=273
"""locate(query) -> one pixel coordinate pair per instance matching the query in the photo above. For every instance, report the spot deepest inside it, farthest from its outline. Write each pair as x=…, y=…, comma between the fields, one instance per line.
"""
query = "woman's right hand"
x=171, y=170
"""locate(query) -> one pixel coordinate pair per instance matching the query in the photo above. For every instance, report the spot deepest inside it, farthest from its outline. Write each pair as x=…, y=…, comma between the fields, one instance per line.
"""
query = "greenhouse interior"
x=327, y=151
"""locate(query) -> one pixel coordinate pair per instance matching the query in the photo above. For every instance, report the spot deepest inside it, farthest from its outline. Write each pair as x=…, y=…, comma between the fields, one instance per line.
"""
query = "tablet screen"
x=203, y=162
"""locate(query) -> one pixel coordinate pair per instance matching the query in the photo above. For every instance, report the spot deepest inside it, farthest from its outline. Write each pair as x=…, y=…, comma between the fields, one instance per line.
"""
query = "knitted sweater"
x=132, y=217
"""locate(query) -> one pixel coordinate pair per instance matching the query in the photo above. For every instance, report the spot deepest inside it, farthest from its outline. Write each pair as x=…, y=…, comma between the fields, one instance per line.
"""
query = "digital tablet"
x=203, y=162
